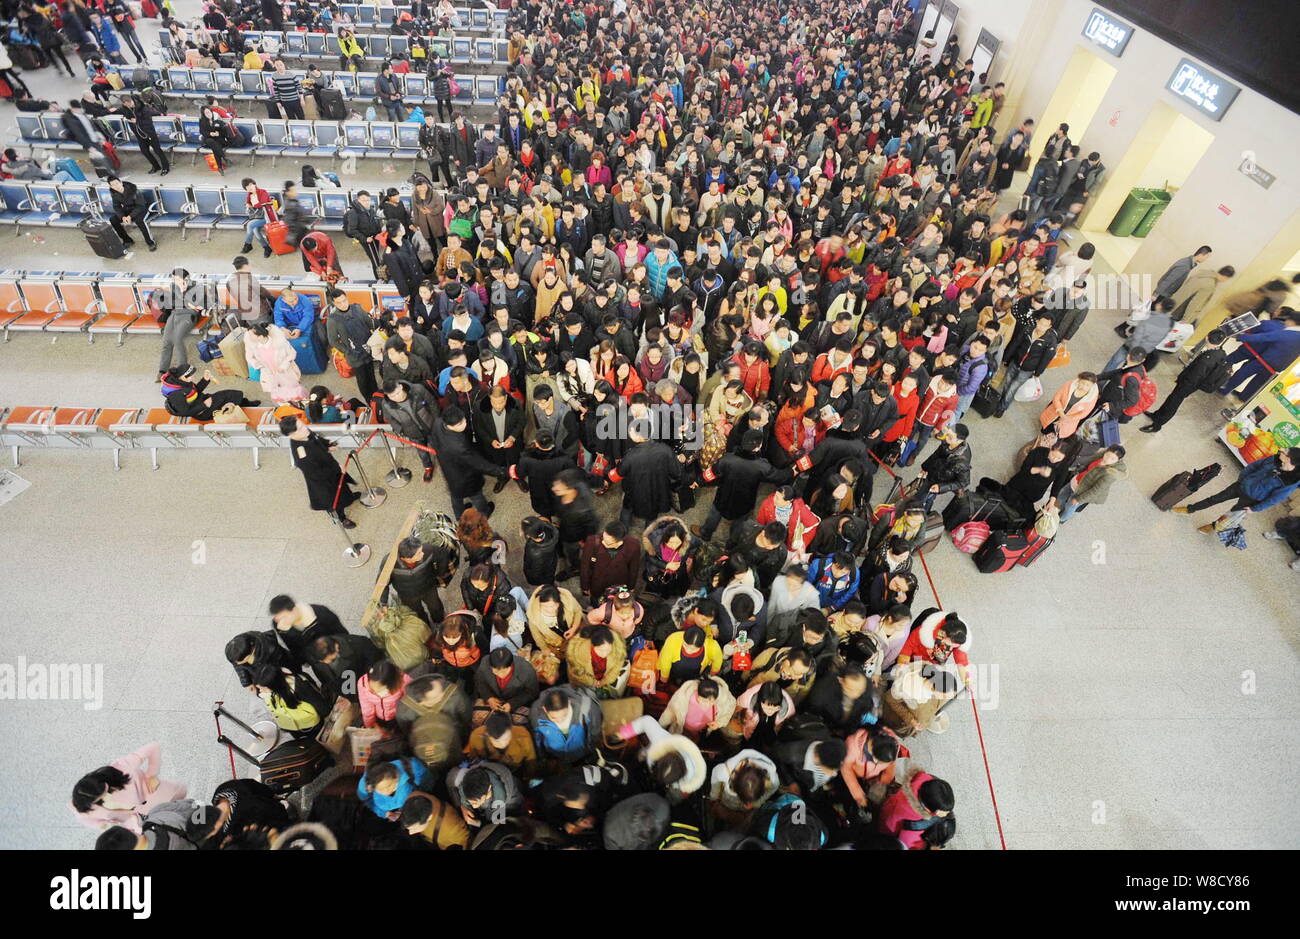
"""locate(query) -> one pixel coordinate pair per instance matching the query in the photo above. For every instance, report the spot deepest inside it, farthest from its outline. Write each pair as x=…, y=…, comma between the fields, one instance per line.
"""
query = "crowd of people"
x=772, y=256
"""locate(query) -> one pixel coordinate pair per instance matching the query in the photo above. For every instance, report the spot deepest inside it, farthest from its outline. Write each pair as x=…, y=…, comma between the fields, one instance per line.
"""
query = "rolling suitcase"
x=1034, y=550
x=985, y=402
x=1173, y=491
x=71, y=167
x=286, y=766
x=277, y=235
x=932, y=533
x=310, y=111
x=1181, y=486
x=103, y=240
x=1000, y=552
x=332, y=107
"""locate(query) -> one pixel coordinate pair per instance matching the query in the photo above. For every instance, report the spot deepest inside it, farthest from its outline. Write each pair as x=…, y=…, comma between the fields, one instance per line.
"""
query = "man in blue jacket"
x=1261, y=485
x=566, y=723
x=107, y=37
x=972, y=369
x=1266, y=350
x=836, y=579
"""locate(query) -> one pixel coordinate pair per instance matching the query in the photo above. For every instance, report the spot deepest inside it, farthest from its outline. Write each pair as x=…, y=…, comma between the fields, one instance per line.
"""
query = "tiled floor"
x=1143, y=693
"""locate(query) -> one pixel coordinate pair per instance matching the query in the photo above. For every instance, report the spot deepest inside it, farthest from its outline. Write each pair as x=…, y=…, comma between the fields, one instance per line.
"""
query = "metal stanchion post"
x=399, y=475
x=374, y=496
x=356, y=554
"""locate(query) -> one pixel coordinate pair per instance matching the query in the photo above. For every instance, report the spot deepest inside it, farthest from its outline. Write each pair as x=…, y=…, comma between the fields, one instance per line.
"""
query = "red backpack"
x=1147, y=392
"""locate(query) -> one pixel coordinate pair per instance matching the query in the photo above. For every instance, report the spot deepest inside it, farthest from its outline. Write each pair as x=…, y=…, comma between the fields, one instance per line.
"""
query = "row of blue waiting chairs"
x=252, y=85
x=476, y=17
x=188, y=208
x=296, y=140
x=458, y=50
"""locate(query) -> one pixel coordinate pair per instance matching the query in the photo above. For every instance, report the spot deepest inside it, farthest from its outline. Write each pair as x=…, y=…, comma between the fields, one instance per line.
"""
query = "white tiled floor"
x=1122, y=655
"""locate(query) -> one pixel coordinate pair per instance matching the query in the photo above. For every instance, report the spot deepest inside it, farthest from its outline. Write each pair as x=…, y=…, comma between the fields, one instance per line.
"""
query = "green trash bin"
x=1132, y=212
x=1153, y=214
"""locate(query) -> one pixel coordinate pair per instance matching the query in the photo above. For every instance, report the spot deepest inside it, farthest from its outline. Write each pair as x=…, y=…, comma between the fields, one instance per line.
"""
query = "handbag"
x=1031, y=390
x=230, y=414
x=1062, y=356
x=341, y=364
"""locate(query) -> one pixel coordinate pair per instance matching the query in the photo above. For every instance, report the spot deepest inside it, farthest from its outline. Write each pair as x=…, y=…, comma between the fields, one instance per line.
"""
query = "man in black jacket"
x=409, y=408
x=740, y=475
x=650, y=473
x=129, y=203
x=1028, y=354
x=140, y=119
x=361, y=223
x=416, y=576
x=77, y=123
x=947, y=469
x=842, y=443
x=1120, y=388
x=338, y=662
x=462, y=466
x=347, y=328
x=499, y=424
x=1207, y=372
x=764, y=547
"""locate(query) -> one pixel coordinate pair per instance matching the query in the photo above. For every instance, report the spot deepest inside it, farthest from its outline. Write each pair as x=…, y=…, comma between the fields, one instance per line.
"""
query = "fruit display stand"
x=1268, y=422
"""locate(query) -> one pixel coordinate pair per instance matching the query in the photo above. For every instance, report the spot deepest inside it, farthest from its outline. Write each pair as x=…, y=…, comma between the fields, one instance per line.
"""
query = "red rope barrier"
x=979, y=729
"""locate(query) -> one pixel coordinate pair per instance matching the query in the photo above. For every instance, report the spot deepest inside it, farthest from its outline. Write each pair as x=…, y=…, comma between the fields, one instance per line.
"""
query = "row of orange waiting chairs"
x=119, y=429
x=115, y=304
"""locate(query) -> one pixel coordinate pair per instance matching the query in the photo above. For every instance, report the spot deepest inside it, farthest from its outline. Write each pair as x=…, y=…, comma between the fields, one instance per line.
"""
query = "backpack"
x=1215, y=378
x=151, y=98
x=1147, y=393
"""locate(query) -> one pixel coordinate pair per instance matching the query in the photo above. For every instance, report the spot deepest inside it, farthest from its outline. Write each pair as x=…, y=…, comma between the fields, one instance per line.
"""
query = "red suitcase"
x=277, y=234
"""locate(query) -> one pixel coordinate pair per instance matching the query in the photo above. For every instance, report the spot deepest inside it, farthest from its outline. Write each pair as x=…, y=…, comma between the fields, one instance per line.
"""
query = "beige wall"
x=1258, y=218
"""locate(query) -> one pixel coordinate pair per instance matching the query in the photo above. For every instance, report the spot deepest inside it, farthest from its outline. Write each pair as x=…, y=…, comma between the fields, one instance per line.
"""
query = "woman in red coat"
x=908, y=401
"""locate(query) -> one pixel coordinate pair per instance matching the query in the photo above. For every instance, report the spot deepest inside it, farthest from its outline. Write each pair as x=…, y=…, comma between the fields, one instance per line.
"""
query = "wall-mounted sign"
x=1248, y=167
x=1108, y=32
x=1208, y=92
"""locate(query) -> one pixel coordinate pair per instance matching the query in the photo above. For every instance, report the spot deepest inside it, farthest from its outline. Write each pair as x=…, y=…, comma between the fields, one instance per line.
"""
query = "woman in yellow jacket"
x=349, y=50
x=689, y=654
x=587, y=91
x=295, y=706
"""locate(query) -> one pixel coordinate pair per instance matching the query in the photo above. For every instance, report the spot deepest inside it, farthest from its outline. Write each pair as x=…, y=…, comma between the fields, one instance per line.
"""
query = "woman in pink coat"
x=1071, y=404
x=921, y=802
x=267, y=349
x=125, y=791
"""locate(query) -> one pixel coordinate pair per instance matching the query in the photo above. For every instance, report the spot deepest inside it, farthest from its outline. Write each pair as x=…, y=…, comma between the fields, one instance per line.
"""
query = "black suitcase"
x=103, y=240
x=985, y=402
x=1181, y=486
x=287, y=767
x=332, y=106
x=294, y=764
x=1173, y=491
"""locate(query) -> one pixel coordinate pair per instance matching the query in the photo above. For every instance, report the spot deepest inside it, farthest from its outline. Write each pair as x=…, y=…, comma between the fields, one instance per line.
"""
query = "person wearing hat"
x=186, y=397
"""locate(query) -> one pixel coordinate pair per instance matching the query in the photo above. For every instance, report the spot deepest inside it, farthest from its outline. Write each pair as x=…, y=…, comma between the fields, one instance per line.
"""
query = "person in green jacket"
x=1092, y=483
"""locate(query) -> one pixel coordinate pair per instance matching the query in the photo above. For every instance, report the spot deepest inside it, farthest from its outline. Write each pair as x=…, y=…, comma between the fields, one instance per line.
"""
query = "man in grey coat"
x=1173, y=278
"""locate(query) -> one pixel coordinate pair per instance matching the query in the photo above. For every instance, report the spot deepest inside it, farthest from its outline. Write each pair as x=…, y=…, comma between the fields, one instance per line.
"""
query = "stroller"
x=320, y=257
